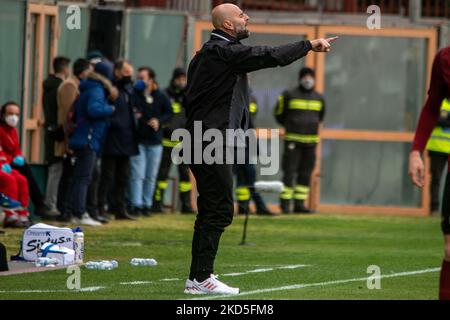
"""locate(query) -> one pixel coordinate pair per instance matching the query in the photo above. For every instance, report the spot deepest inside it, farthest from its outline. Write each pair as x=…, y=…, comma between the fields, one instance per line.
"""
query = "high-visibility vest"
x=440, y=137
x=176, y=107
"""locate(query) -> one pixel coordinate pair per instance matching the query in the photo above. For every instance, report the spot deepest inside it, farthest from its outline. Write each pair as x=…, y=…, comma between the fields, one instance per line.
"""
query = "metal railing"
x=430, y=8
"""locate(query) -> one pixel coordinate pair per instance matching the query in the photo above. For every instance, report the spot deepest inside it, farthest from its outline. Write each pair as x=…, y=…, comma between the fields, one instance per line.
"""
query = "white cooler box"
x=35, y=236
x=63, y=255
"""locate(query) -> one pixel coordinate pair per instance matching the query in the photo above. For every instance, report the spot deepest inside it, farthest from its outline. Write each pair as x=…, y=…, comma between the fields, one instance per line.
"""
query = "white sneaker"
x=75, y=220
x=210, y=286
x=189, y=287
x=88, y=221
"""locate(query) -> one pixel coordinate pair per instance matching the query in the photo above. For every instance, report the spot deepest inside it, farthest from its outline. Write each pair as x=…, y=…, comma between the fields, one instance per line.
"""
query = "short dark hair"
x=80, y=65
x=59, y=63
x=3, y=108
x=151, y=73
x=306, y=71
x=118, y=65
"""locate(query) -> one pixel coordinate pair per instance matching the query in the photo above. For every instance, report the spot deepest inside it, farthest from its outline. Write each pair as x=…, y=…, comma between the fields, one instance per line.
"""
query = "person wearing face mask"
x=175, y=92
x=300, y=111
x=13, y=186
x=120, y=145
x=153, y=111
x=9, y=140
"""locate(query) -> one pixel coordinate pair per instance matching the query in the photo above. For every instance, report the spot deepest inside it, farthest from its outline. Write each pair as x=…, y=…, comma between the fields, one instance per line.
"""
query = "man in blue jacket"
x=120, y=145
x=92, y=111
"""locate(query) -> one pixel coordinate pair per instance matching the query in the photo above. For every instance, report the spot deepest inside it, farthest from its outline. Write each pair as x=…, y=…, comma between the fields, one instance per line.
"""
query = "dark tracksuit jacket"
x=217, y=95
x=300, y=112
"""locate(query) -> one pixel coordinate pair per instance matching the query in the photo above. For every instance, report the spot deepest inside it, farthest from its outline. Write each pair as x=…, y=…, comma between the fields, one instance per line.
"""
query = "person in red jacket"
x=9, y=140
x=439, y=90
x=15, y=186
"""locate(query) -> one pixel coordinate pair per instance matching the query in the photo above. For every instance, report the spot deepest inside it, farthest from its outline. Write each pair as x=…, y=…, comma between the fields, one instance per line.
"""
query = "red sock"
x=444, y=286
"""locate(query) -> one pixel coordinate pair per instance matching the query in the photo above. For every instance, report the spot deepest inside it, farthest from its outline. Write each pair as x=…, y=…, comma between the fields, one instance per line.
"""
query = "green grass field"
x=335, y=252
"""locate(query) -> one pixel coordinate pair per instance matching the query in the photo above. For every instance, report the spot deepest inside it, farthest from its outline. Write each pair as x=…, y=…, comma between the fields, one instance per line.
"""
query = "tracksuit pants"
x=15, y=186
x=215, y=213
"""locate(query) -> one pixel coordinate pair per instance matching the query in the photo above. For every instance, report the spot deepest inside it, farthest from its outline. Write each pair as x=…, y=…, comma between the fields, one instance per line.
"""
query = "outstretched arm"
x=251, y=58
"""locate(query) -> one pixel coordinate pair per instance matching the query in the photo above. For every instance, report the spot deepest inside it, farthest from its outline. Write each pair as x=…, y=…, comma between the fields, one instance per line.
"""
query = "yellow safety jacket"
x=440, y=137
x=300, y=113
x=179, y=117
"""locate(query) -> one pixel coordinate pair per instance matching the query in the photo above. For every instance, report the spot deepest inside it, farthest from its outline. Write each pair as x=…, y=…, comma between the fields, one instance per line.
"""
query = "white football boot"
x=210, y=286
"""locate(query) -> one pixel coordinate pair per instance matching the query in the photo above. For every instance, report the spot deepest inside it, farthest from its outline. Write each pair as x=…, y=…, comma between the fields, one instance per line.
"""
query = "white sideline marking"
x=173, y=279
x=235, y=274
x=87, y=289
x=320, y=284
x=33, y=291
x=134, y=283
x=294, y=266
x=90, y=289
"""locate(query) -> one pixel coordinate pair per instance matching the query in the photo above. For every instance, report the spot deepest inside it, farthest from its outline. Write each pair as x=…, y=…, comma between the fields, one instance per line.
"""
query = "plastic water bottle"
x=78, y=243
x=45, y=261
x=105, y=266
x=143, y=262
x=102, y=265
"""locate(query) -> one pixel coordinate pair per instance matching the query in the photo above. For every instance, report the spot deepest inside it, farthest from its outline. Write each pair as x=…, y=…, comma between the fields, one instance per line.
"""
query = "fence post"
x=415, y=10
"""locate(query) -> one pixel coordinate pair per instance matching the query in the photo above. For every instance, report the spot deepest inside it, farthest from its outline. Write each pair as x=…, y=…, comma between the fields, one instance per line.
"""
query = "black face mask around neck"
x=124, y=81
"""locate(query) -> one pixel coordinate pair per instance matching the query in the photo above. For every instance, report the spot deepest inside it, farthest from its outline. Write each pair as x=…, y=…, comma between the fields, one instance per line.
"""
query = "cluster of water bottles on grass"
x=102, y=265
x=113, y=264
x=46, y=262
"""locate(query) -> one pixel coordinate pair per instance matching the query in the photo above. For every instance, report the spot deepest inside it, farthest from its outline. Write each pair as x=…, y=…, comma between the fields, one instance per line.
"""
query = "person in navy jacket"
x=153, y=111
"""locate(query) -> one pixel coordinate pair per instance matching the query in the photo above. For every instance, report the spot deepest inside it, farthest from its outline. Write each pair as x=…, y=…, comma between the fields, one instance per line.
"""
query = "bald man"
x=217, y=96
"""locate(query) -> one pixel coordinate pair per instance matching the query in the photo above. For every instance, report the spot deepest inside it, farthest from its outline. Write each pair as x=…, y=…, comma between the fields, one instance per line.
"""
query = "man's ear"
x=228, y=25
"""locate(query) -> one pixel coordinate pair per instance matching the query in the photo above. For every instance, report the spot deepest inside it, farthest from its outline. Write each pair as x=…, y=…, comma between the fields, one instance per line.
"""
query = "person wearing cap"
x=92, y=111
x=300, y=111
x=175, y=92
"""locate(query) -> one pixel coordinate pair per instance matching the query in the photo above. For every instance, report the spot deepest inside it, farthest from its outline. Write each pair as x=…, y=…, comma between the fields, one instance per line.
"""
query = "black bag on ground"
x=3, y=258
